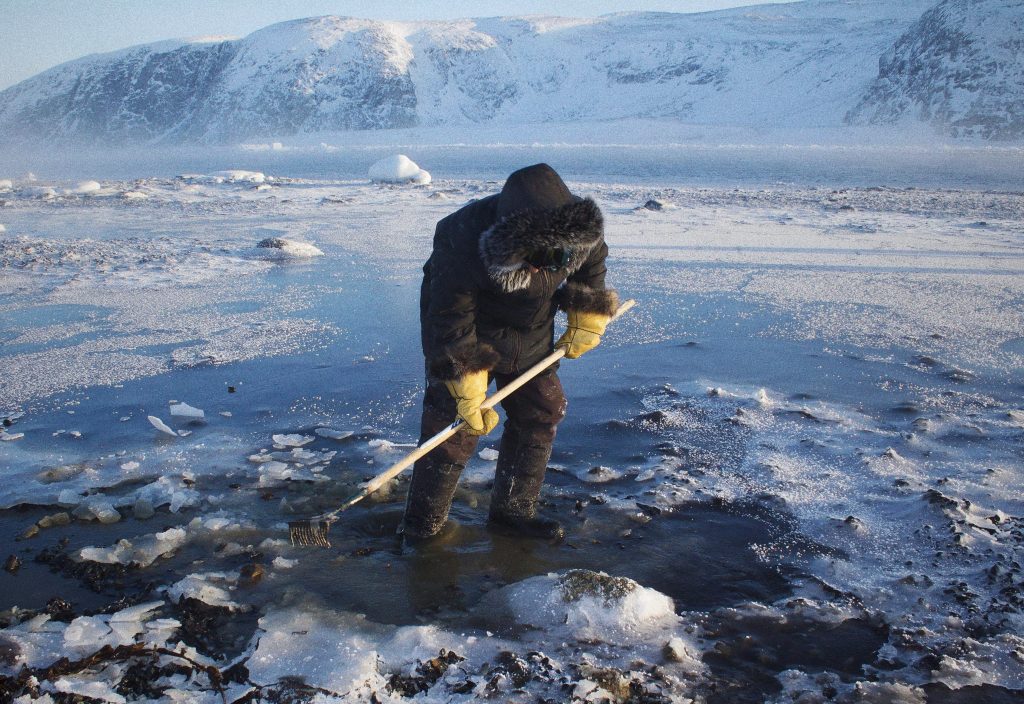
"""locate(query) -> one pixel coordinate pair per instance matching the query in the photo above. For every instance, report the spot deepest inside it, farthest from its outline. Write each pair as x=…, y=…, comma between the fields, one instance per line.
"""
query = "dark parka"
x=480, y=308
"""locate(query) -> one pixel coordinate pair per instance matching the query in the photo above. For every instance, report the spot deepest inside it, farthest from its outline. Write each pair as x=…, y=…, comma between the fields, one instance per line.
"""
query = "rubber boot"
x=518, y=478
x=430, y=498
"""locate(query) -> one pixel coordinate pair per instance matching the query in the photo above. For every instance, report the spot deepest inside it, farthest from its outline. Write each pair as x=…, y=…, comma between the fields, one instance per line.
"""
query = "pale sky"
x=38, y=34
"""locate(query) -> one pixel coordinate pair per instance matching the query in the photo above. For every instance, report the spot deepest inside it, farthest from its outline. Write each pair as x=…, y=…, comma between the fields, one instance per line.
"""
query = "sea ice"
x=341, y=652
x=161, y=426
x=84, y=632
x=143, y=552
x=292, y=440
x=168, y=490
x=94, y=689
x=598, y=474
x=588, y=605
x=381, y=446
x=398, y=169
x=333, y=434
x=210, y=588
x=183, y=410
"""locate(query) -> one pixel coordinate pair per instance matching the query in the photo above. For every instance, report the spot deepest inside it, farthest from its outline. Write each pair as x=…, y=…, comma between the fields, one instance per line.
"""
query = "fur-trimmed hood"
x=577, y=227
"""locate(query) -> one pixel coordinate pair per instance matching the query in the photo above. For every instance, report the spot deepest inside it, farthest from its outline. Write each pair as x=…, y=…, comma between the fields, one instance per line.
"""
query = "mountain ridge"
x=813, y=64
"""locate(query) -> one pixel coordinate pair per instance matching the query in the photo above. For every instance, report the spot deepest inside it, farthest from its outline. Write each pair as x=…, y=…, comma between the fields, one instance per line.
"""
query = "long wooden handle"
x=428, y=445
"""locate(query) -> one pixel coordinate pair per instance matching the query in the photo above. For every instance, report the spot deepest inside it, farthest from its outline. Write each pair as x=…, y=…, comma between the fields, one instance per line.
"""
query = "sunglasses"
x=548, y=258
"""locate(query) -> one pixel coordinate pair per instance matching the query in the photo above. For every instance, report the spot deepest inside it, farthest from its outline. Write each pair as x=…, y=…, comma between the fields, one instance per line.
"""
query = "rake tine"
x=308, y=533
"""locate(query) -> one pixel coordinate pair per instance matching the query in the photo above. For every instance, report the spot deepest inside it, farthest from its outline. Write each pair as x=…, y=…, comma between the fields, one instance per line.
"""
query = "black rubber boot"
x=430, y=498
x=518, y=478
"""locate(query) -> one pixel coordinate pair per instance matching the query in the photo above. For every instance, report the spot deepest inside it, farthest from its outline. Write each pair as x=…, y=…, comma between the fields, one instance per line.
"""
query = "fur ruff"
x=577, y=227
x=462, y=360
x=579, y=298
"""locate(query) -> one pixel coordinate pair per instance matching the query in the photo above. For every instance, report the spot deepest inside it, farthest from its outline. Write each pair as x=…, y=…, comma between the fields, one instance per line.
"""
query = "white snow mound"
x=590, y=605
x=398, y=169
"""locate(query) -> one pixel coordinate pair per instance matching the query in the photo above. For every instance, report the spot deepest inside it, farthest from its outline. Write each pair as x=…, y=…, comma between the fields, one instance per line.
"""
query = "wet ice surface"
x=797, y=462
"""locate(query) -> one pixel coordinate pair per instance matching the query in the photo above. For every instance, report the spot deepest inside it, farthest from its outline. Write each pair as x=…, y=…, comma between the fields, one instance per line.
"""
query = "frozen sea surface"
x=792, y=473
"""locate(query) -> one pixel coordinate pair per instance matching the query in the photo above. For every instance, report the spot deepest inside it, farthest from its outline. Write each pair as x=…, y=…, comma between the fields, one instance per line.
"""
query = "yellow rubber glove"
x=469, y=391
x=584, y=333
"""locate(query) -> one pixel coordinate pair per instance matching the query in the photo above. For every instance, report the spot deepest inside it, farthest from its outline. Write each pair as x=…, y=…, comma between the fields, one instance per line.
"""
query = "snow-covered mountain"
x=960, y=67
x=802, y=64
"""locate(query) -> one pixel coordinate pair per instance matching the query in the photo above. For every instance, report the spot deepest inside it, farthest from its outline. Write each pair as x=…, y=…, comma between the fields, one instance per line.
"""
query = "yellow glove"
x=469, y=391
x=584, y=333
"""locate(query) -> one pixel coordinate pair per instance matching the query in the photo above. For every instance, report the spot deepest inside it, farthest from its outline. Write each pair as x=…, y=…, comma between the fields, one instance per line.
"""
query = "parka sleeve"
x=585, y=291
x=451, y=320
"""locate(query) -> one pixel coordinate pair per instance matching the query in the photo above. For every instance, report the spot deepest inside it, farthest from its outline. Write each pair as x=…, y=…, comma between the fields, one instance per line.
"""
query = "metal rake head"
x=309, y=533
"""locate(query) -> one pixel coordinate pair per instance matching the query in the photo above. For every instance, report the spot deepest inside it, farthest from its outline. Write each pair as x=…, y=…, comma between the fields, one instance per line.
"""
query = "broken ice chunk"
x=84, y=631
x=106, y=513
x=143, y=552
x=206, y=588
x=333, y=434
x=292, y=440
x=68, y=498
x=183, y=410
x=489, y=454
x=599, y=474
x=91, y=689
x=161, y=426
x=383, y=446
x=136, y=613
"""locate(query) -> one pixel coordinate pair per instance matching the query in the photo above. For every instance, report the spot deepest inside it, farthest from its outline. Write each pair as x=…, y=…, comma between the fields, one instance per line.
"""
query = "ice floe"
x=161, y=426
x=292, y=439
x=183, y=410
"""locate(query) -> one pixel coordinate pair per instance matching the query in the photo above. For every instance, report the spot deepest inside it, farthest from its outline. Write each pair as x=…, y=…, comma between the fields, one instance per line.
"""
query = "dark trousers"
x=533, y=413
